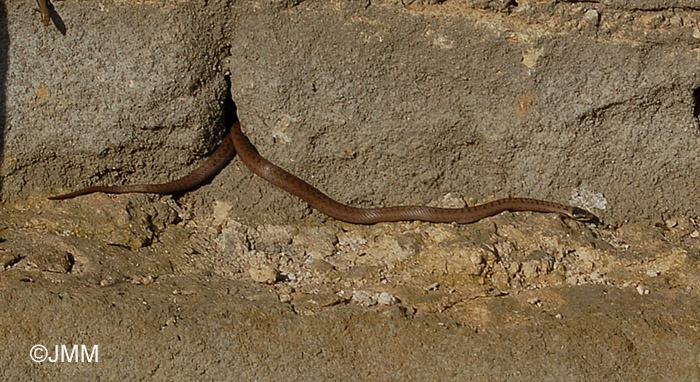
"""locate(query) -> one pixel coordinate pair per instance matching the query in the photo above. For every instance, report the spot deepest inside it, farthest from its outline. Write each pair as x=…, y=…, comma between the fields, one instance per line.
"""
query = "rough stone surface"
x=377, y=103
x=128, y=90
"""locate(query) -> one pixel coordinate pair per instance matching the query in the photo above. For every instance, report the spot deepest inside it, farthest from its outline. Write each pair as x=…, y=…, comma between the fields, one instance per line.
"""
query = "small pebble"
x=143, y=280
x=365, y=297
x=535, y=301
x=386, y=299
x=642, y=290
x=695, y=234
x=284, y=292
x=592, y=17
x=169, y=321
x=264, y=275
x=653, y=273
x=433, y=286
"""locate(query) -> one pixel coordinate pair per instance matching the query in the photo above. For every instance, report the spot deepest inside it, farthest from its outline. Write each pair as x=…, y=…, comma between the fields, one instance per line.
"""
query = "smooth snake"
x=237, y=142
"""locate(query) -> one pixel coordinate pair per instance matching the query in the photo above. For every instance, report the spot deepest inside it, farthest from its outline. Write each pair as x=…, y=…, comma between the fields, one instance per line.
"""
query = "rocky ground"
x=377, y=103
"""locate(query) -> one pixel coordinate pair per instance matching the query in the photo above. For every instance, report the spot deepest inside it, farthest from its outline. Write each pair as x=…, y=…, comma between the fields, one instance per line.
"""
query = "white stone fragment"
x=642, y=290
x=386, y=299
x=365, y=297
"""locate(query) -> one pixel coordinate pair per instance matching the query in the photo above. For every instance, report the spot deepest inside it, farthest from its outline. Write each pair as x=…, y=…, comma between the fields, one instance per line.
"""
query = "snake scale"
x=237, y=142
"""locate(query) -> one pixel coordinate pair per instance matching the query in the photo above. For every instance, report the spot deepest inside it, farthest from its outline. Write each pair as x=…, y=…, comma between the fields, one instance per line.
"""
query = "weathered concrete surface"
x=228, y=331
x=377, y=103
x=130, y=89
x=515, y=296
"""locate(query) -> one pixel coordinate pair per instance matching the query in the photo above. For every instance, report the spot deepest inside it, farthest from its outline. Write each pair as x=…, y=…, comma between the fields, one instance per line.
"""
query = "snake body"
x=218, y=160
x=236, y=141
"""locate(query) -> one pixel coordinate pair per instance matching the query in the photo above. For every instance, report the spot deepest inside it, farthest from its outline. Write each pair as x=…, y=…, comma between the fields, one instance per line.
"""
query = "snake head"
x=583, y=216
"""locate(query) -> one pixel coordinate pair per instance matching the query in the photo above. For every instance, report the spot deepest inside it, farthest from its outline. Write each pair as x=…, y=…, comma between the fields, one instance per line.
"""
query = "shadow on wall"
x=4, y=47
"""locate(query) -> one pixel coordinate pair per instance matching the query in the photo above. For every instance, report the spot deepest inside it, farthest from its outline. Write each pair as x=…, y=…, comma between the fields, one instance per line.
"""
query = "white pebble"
x=534, y=301
x=386, y=299
x=365, y=297
x=642, y=290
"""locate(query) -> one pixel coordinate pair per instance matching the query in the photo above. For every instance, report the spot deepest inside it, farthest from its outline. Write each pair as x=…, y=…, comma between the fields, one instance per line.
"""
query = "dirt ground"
x=444, y=103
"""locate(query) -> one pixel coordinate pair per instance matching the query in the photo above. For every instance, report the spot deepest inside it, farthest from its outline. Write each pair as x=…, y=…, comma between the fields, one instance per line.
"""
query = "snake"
x=211, y=166
x=237, y=143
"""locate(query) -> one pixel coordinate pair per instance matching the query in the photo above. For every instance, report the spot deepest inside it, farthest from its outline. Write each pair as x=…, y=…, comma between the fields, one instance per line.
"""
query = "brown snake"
x=239, y=143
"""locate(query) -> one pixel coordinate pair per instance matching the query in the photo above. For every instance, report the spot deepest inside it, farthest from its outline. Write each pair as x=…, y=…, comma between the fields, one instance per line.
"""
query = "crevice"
x=229, y=113
x=696, y=103
x=70, y=259
x=12, y=262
